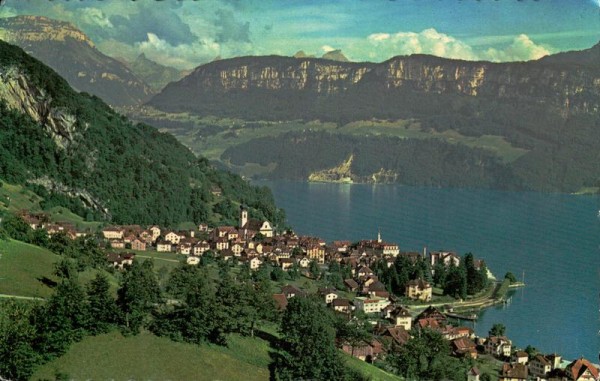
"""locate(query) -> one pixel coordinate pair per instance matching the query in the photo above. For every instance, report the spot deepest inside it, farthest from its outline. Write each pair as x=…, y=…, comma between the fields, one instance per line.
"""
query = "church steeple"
x=379, y=236
x=243, y=217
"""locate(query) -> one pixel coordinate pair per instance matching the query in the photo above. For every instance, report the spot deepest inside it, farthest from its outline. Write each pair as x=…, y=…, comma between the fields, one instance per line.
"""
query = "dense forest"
x=416, y=162
x=133, y=173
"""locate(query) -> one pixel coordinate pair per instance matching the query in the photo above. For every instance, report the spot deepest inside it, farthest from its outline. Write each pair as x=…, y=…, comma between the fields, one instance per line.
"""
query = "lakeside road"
x=487, y=299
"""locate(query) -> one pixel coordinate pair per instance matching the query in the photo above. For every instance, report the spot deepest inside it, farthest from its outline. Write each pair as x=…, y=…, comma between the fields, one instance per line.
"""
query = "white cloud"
x=183, y=56
x=428, y=41
x=95, y=16
x=327, y=48
x=521, y=49
x=381, y=46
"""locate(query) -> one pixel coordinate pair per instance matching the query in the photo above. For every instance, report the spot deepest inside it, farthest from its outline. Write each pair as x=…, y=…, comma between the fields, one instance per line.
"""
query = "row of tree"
x=457, y=281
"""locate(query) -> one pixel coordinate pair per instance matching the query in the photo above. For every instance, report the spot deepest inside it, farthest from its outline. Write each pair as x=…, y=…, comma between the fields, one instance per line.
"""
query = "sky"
x=187, y=33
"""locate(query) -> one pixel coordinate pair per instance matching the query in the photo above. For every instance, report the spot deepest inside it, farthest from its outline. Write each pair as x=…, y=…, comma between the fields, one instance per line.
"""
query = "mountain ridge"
x=73, y=55
x=282, y=81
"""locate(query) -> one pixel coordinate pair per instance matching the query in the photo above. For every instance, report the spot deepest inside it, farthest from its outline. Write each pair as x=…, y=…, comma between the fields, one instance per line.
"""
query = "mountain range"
x=536, y=107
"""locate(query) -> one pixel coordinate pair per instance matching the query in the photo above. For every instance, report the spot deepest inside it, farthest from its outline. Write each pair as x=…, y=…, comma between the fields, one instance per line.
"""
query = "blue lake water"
x=552, y=238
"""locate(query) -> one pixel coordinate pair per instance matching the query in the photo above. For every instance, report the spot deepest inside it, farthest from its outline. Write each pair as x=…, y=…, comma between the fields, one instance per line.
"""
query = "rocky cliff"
x=282, y=81
x=19, y=94
x=73, y=55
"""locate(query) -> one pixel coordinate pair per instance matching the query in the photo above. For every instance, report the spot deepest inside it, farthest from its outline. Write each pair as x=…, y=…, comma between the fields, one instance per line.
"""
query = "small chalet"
x=281, y=301
x=164, y=247
x=364, y=272
x=419, y=289
x=464, y=347
x=513, y=372
x=119, y=261
x=365, y=351
x=138, y=245
x=341, y=305
x=582, y=370
x=393, y=337
x=400, y=317
x=499, y=346
x=351, y=285
x=520, y=357
x=290, y=291
x=328, y=294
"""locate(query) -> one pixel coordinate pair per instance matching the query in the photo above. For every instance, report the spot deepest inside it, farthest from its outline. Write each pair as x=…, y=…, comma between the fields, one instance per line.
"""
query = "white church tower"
x=243, y=217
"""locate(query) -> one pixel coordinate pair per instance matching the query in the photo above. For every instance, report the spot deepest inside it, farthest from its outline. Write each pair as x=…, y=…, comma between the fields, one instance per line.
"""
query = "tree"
x=456, y=282
x=531, y=351
x=137, y=295
x=103, y=309
x=423, y=357
x=307, y=344
x=314, y=270
x=511, y=277
x=17, y=228
x=498, y=329
x=17, y=356
x=193, y=319
x=62, y=320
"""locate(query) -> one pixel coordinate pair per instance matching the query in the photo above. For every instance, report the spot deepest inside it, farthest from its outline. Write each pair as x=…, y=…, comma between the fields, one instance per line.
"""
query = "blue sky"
x=187, y=33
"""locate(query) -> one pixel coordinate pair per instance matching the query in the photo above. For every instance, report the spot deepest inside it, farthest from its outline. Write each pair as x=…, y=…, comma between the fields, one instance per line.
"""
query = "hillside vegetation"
x=74, y=151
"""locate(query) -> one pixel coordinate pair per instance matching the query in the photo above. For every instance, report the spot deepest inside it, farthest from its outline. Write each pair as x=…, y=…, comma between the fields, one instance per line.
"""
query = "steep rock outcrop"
x=19, y=94
x=285, y=81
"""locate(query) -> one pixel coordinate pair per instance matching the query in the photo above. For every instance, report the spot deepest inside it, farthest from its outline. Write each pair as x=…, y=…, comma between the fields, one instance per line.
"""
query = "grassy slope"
x=22, y=266
x=147, y=357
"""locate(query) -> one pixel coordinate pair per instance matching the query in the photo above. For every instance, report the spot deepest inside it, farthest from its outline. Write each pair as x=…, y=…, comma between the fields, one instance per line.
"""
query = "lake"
x=551, y=239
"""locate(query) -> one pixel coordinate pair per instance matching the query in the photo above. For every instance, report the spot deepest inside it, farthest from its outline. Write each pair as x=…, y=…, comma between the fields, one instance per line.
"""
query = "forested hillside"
x=376, y=159
x=75, y=151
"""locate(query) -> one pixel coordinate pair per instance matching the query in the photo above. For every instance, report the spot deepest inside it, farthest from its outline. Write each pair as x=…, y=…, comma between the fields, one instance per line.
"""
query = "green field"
x=22, y=266
x=147, y=357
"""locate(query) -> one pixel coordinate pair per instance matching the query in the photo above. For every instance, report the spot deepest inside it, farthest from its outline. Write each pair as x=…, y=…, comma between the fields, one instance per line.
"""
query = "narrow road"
x=160, y=259
x=20, y=297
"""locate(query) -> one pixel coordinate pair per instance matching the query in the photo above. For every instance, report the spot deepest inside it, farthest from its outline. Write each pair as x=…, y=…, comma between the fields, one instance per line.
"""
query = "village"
x=394, y=319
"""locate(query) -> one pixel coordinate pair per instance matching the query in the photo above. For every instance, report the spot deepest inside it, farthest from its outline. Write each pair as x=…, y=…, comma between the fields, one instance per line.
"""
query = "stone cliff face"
x=20, y=95
x=277, y=73
x=568, y=88
x=28, y=29
x=73, y=55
